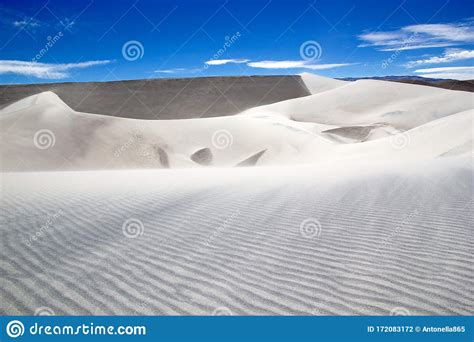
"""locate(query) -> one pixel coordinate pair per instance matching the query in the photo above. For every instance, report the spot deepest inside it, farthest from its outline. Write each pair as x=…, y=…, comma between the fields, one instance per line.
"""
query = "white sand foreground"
x=286, y=241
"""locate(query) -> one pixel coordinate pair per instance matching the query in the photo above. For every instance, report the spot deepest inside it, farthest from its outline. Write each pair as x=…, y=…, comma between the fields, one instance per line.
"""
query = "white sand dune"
x=368, y=102
x=312, y=128
x=360, y=203
x=243, y=239
x=318, y=84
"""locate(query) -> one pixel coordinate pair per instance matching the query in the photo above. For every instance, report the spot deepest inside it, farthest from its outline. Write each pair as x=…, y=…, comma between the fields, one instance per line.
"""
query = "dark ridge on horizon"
x=167, y=98
x=186, y=98
x=143, y=79
x=450, y=84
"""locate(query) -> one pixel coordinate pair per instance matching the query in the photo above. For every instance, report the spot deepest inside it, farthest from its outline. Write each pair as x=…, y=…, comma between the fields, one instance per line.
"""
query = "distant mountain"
x=432, y=82
x=167, y=98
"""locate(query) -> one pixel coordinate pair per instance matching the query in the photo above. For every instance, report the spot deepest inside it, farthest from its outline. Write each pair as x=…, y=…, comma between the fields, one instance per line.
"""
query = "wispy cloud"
x=420, y=36
x=295, y=65
x=226, y=61
x=18, y=20
x=178, y=71
x=459, y=68
x=44, y=70
x=457, y=73
x=449, y=55
x=170, y=71
x=450, y=32
x=27, y=23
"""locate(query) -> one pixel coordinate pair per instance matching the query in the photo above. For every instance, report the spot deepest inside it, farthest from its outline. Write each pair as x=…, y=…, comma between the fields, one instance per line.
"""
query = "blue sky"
x=93, y=40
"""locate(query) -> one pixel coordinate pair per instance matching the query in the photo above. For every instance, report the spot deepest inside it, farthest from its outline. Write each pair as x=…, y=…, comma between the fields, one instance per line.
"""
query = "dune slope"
x=42, y=133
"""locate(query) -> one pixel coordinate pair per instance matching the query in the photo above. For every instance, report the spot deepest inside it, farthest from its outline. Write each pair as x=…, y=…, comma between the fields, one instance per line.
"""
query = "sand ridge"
x=363, y=119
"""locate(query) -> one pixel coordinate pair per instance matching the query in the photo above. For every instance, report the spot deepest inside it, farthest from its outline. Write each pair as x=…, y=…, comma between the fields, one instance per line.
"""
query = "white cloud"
x=294, y=65
x=450, y=55
x=451, y=76
x=411, y=46
x=26, y=23
x=170, y=71
x=446, y=69
x=178, y=70
x=450, y=32
x=226, y=61
x=420, y=36
x=381, y=36
x=44, y=70
x=457, y=73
